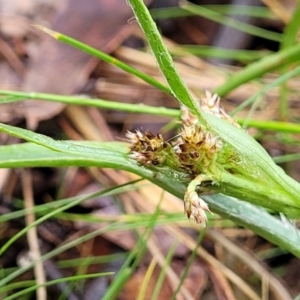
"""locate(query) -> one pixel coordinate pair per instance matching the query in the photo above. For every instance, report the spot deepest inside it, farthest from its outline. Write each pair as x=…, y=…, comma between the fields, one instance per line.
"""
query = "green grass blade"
x=237, y=10
x=49, y=215
x=161, y=111
x=271, y=125
x=133, y=259
x=162, y=274
x=100, y=103
x=102, y=259
x=105, y=57
x=290, y=37
x=257, y=69
x=16, y=285
x=43, y=209
x=244, y=56
x=287, y=158
x=57, y=281
x=59, y=146
x=287, y=235
x=280, y=80
x=236, y=24
x=64, y=247
x=291, y=31
x=188, y=265
x=242, y=10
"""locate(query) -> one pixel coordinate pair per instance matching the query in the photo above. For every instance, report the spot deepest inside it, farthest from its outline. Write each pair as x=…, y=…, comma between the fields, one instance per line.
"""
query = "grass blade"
x=236, y=24
x=162, y=55
x=105, y=57
x=17, y=96
x=255, y=70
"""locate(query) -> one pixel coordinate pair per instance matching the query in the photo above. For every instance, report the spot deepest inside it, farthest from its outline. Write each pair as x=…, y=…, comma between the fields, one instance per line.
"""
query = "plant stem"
x=163, y=57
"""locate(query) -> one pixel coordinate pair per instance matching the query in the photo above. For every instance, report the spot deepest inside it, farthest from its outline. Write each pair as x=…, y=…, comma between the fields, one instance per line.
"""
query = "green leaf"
x=257, y=69
x=162, y=55
x=243, y=213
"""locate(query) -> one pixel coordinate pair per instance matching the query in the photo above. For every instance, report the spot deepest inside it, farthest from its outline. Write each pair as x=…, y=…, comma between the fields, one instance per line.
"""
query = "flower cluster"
x=211, y=103
x=195, y=207
x=195, y=151
x=147, y=148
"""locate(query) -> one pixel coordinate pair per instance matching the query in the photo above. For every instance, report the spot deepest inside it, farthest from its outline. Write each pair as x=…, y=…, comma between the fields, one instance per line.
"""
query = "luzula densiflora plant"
x=196, y=151
x=218, y=156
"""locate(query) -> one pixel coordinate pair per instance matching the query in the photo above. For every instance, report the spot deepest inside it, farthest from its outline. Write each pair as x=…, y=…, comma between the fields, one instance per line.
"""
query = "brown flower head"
x=197, y=148
x=195, y=207
x=147, y=148
x=211, y=103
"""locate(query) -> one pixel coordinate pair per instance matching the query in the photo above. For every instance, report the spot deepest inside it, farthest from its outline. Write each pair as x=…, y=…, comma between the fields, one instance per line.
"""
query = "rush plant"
x=210, y=153
x=218, y=154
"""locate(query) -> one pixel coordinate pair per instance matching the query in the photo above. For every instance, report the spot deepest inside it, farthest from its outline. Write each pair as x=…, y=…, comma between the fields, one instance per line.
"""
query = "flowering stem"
x=240, y=167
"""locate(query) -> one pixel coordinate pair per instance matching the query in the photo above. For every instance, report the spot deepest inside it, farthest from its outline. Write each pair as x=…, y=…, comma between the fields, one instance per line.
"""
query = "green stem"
x=272, y=125
x=138, y=108
x=236, y=24
x=106, y=104
x=237, y=10
x=163, y=57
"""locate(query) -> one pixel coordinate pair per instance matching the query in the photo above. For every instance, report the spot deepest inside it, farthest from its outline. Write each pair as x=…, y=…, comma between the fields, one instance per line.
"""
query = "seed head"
x=195, y=207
